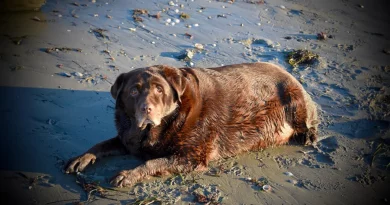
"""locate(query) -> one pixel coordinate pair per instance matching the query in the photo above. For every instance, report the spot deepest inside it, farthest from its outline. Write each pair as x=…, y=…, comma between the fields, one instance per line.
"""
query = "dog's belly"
x=250, y=138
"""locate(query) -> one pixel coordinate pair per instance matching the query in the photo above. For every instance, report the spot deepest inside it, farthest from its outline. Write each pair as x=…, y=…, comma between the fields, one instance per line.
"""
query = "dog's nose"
x=147, y=108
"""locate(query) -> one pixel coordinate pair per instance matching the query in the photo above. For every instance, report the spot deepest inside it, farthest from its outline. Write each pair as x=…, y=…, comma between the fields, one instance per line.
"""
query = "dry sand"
x=47, y=117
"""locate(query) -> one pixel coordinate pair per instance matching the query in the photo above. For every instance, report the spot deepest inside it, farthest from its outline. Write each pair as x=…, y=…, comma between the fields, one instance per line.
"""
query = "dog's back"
x=253, y=106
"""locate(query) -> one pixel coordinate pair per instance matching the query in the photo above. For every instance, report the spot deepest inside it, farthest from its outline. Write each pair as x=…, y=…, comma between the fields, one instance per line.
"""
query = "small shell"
x=172, y=23
x=176, y=10
x=199, y=46
x=177, y=21
x=168, y=20
x=64, y=74
x=132, y=29
x=282, y=7
x=248, y=178
x=289, y=174
x=171, y=3
x=196, y=25
x=267, y=188
x=78, y=74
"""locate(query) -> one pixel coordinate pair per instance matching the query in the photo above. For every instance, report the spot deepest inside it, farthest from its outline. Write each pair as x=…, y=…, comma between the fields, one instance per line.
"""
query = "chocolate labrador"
x=180, y=119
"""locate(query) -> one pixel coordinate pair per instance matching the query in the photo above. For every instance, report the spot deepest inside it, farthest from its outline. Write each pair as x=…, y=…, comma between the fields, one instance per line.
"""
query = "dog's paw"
x=79, y=163
x=124, y=179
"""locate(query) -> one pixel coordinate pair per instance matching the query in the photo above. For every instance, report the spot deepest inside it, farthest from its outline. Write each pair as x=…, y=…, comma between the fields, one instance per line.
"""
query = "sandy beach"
x=59, y=60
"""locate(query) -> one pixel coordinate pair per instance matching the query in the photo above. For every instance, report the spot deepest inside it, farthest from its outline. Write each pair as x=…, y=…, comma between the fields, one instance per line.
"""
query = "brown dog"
x=181, y=119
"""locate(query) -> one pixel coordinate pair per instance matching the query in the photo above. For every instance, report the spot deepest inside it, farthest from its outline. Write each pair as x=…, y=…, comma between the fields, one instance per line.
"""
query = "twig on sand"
x=99, y=32
x=79, y=65
x=63, y=49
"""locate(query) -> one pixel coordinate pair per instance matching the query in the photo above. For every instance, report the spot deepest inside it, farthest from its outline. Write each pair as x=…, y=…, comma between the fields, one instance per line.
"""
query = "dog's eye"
x=134, y=92
x=159, y=89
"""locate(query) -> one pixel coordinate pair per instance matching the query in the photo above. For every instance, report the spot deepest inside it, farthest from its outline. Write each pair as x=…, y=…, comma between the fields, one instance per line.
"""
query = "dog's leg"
x=154, y=167
x=106, y=148
x=297, y=112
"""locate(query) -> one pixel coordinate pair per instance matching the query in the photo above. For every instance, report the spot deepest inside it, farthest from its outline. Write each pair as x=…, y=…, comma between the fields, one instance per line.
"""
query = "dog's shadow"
x=44, y=128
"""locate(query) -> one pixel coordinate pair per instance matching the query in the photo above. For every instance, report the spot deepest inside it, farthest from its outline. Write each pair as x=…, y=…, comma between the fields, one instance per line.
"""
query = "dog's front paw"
x=124, y=179
x=79, y=163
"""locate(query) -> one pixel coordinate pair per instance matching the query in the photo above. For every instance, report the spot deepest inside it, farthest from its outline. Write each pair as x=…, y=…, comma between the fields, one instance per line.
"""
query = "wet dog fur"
x=180, y=119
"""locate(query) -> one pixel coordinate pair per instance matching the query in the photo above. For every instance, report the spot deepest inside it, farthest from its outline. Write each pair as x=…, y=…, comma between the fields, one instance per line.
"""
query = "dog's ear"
x=176, y=79
x=117, y=87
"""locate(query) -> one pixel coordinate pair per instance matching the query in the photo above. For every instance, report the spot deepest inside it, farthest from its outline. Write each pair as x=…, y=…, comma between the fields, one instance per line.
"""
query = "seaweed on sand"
x=299, y=57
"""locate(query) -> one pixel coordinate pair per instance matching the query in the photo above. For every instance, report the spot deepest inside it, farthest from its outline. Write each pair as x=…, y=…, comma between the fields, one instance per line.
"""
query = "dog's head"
x=149, y=94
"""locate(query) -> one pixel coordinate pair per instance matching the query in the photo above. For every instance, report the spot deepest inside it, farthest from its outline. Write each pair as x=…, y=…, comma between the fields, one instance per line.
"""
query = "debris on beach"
x=140, y=11
x=299, y=57
x=289, y=174
x=189, y=35
x=93, y=188
x=74, y=15
x=207, y=198
x=64, y=74
x=36, y=18
x=137, y=13
x=63, y=49
x=184, y=16
x=322, y=36
x=176, y=188
x=199, y=46
x=186, y=55
x=99, y=32
x=266, y=188
x=200, y=198
x=255, y=2
x=262, y=183
x=78, y=74
x=156, y=16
